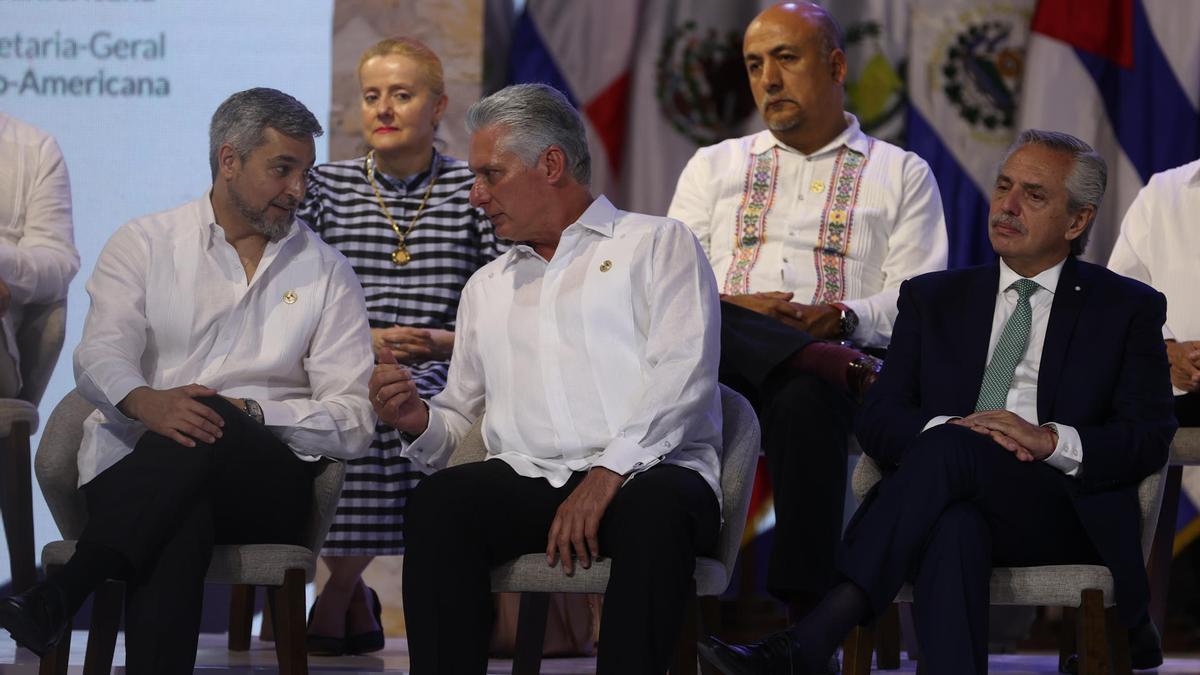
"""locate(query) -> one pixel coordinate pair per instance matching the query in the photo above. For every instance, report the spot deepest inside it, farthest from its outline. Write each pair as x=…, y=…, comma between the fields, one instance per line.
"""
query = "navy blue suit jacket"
x=1104, y=371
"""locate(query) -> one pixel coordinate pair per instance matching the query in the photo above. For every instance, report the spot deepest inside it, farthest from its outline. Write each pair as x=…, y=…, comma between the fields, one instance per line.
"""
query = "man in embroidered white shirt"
x=810, y=227
x=590, y=349
x=226, y=350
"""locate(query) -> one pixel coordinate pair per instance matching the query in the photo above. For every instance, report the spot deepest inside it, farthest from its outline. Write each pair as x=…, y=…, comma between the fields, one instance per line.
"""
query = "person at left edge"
x=226, y=350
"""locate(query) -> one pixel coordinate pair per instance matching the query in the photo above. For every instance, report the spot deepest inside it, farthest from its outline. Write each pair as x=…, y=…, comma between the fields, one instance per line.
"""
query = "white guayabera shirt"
x=605, y=355
x=171, y=306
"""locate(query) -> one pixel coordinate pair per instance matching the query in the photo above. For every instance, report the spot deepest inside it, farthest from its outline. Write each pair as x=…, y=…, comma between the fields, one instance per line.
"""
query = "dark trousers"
x=806, y=424
x=465, y=520
x=958, y=505
x=165, y=506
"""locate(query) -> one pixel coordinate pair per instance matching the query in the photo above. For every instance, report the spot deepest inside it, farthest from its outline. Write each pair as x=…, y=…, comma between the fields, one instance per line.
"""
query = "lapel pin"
x=290, y=297
x=1077, y=288
x=606, y=266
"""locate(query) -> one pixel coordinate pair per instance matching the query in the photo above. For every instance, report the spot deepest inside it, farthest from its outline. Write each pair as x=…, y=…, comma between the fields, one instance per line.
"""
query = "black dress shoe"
x=322, y=645
x=372, y=640
x=37, y=618
x=1145, y=650
x=776, y=655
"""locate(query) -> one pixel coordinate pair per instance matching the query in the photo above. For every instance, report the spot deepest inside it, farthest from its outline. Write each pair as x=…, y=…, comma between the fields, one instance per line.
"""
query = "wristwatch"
x=254, y=410
x=848, y=322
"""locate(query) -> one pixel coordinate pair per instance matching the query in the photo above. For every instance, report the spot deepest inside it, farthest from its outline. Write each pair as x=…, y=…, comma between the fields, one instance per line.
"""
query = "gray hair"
x=535, y=117
x=1086, y=182
x=242, y=120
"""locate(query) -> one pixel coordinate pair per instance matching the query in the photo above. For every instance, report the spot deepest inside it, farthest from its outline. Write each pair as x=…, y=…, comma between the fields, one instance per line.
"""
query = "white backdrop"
x=133, y=126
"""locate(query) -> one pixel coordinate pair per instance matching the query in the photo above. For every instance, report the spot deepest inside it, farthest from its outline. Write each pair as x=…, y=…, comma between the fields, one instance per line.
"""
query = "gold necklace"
x=400, y=256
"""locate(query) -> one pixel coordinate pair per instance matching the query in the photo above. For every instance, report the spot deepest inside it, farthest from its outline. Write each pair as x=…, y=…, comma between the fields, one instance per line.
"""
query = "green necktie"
x=1010, y=348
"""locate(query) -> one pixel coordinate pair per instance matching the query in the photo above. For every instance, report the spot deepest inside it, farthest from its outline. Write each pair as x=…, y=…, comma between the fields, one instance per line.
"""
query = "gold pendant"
x=401, y=256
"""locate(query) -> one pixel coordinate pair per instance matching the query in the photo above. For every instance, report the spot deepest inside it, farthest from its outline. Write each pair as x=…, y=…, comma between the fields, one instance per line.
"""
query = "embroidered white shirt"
x=605, y=355
x=1022, y=392
x=37, y=245
x=171, y=306
x=1160, y=246
x=896, y=229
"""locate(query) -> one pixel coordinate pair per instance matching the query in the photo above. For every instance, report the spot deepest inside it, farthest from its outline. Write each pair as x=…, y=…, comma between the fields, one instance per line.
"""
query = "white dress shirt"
x=1022, y=392
x=37, y=245
x=1160, y=246
x=605, y=355
x=897, y=229
x=171, y=307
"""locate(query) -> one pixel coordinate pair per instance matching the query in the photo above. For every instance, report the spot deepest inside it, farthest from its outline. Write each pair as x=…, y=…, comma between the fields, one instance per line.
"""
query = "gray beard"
x=273, y=230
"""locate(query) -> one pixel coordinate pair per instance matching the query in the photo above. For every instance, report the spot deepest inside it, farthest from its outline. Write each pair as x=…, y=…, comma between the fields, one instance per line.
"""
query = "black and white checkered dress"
x=449, y=242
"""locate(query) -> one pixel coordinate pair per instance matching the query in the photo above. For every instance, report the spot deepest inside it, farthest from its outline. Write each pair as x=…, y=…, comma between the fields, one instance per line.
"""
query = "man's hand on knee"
x=175, y=413
x=577, y=523
x=1029, y=442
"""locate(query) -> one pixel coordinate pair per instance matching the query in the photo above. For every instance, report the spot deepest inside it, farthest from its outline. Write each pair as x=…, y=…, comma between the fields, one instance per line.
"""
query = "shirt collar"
x=599, y=217
x=1047, y=279
x=413, y=181
x=852, y=137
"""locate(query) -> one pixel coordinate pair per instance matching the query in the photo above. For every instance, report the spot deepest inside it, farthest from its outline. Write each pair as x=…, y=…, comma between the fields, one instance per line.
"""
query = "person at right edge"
x=1020, y=406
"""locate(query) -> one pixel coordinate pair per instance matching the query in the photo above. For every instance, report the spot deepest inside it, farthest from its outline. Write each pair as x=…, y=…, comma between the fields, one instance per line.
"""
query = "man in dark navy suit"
x=1020, y=406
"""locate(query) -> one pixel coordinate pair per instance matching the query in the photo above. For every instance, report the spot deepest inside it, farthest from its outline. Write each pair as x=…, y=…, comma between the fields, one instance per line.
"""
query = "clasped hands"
x=820, y=321
x=413, y=345
x=1029, y=442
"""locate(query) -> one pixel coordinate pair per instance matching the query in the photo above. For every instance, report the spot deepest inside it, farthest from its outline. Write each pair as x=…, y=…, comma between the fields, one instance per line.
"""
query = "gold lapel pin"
x=606, y=266
x=290, y=297
x=817, y=186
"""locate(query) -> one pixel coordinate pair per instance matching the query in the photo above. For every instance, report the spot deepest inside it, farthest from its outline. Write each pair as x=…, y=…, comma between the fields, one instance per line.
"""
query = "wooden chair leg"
x=1091, y=626
x=55, y=661
x=685, y=654
x=241, y=616
x=856, y=650
x=288, y=610
x=531, y=633
x=107, y=603
x=1162, y=549
x=1068, y=645
x=17, y=507
x=887, y=639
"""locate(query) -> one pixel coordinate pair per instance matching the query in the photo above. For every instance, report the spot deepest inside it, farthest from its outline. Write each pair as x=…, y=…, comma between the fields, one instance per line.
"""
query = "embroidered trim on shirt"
x=837, y=224
x=758, y=193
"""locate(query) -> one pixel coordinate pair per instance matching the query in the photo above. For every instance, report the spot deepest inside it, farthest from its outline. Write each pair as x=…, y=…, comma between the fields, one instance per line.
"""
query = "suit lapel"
x=978, y=309
x=1068, y=301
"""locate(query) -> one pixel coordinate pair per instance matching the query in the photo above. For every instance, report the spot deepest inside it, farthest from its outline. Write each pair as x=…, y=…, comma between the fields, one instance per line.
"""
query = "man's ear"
x=555, y=162
x=837, y=66
x=228, y=161
x=1079, y=222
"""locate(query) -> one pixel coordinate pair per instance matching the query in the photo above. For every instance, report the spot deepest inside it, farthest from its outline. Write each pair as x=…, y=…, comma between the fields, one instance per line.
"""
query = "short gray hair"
x=1086, y=182
x=242, y=120
x=535, y=117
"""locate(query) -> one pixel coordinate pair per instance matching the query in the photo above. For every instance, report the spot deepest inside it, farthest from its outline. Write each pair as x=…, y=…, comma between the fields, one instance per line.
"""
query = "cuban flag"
x=1123, y=75
x=585, y=50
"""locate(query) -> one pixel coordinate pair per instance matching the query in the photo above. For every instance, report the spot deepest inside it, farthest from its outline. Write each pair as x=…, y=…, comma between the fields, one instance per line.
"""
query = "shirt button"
x=666, y=444
x=637, y=464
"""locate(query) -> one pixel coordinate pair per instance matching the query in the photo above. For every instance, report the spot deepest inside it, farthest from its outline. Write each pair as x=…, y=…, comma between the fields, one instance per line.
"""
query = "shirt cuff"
x=939, y=421
x=624, y=457
x=1168, y=334
x=424, y=450
x=1068, y=454
x=116, y=392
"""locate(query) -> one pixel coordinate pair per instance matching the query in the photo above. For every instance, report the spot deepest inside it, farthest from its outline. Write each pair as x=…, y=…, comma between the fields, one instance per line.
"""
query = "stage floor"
x=214, y=658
